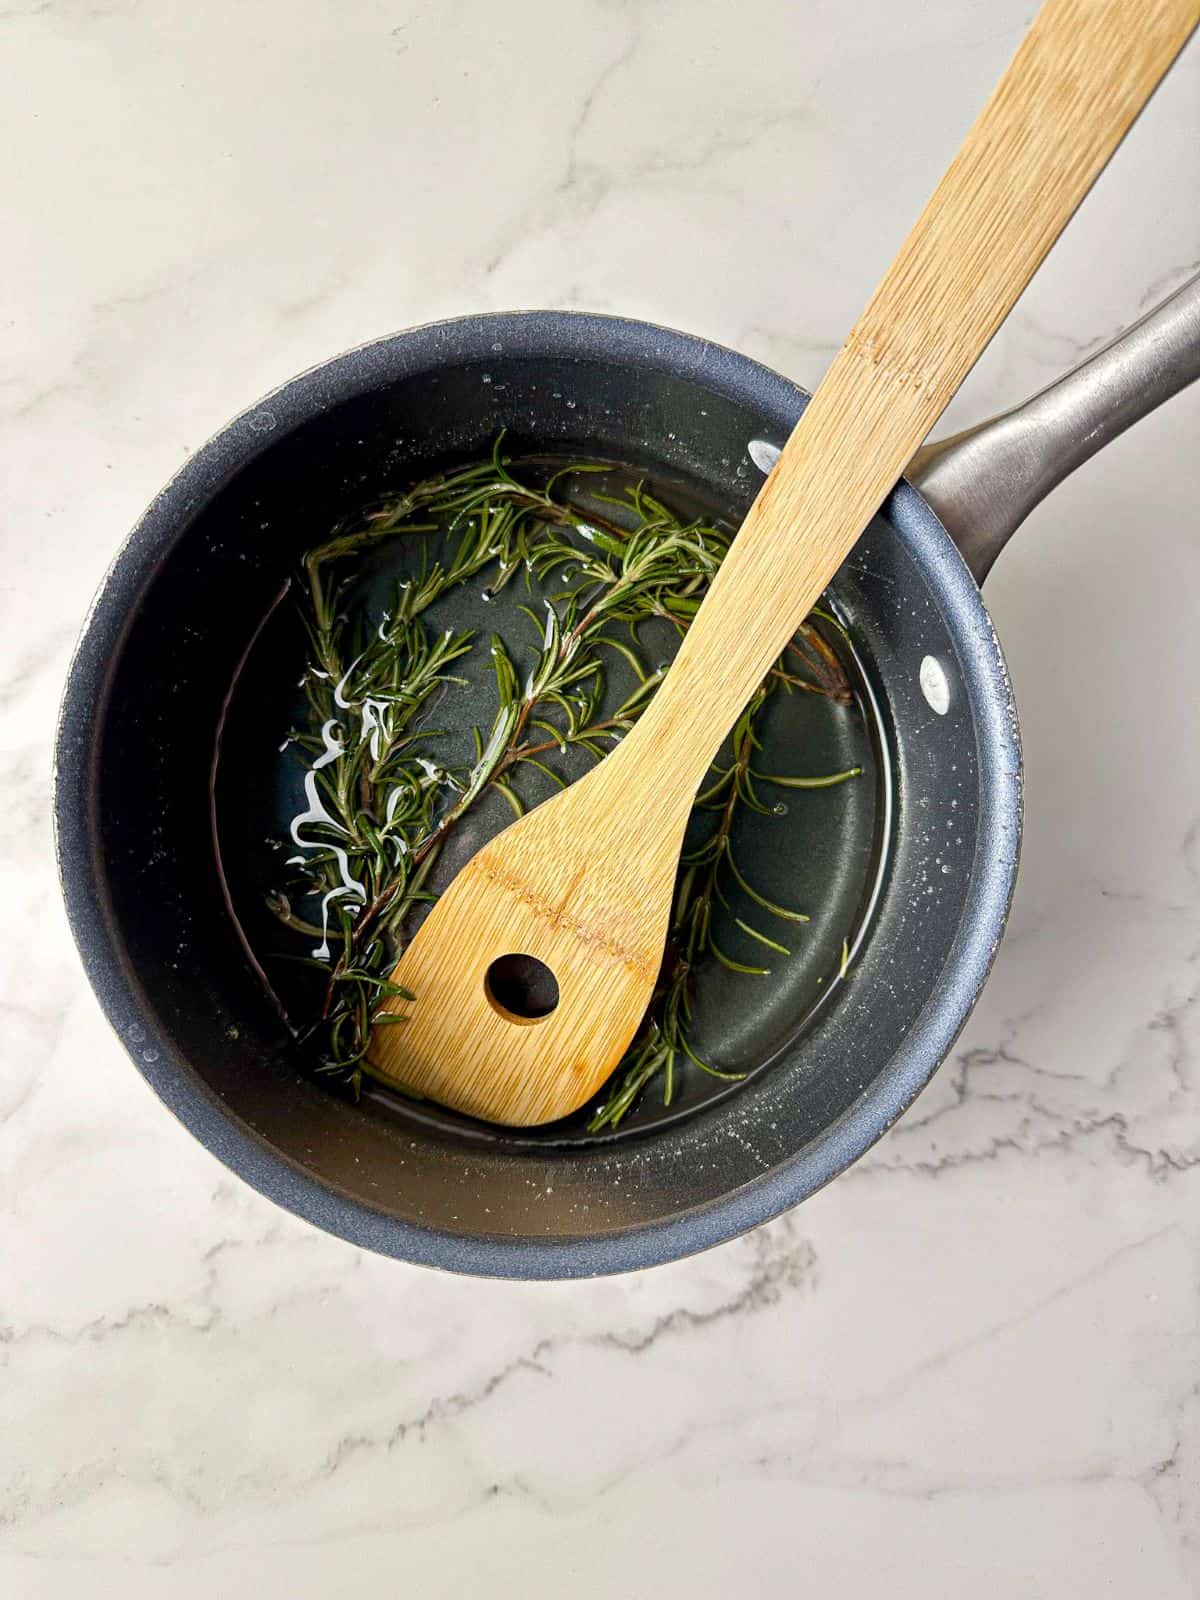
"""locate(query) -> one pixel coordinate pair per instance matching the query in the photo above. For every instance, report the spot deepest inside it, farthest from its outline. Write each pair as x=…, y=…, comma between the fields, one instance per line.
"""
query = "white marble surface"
x=973, y=1364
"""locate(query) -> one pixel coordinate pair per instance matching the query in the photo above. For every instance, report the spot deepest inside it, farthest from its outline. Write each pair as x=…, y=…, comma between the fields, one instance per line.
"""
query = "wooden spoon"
x=569, y=884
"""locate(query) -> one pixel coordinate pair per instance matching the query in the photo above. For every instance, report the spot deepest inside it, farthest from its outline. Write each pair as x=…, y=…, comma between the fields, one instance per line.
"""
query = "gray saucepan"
x=168, y=779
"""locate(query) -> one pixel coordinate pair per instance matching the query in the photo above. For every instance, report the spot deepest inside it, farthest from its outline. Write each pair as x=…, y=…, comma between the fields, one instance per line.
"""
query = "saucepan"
x=181, y=682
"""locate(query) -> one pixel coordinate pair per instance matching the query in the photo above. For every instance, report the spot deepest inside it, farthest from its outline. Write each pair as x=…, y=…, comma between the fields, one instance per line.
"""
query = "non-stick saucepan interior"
x=190, y=650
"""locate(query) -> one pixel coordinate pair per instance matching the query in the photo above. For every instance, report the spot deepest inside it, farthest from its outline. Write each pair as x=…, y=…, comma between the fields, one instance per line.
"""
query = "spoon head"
x=534, y=969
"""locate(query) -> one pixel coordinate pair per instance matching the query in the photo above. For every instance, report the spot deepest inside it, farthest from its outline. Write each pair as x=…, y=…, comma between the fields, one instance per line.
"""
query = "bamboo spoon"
x=559, y=885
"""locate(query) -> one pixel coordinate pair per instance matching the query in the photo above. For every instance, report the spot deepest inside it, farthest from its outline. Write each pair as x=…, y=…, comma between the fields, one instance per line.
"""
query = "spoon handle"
x=1082, y=74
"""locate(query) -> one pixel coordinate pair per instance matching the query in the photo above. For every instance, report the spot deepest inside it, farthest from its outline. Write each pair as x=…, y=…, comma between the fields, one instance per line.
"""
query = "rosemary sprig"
x=380, y=806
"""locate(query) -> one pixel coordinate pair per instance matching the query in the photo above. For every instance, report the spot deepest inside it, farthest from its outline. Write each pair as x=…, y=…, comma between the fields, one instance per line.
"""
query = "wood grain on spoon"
x=567, y=883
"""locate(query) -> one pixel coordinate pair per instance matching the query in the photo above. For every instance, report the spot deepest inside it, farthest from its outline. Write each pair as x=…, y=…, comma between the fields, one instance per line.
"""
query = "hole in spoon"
x=521, y=988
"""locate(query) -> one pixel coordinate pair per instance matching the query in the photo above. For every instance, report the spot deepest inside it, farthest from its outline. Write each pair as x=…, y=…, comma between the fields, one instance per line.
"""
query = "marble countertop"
x=972, y=1364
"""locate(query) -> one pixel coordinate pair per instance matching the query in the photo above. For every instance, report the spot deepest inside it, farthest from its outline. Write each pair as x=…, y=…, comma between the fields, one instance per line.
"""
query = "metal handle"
x=983, y=483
